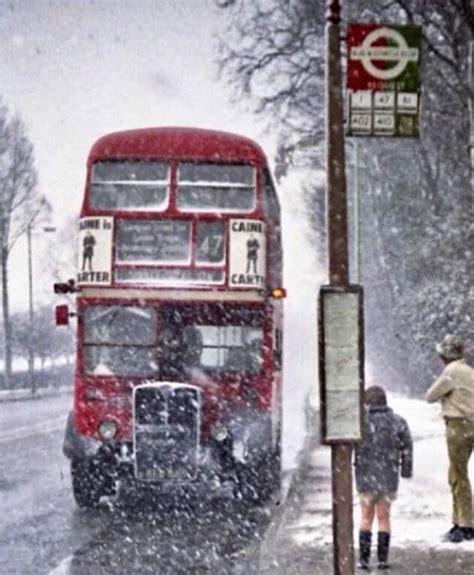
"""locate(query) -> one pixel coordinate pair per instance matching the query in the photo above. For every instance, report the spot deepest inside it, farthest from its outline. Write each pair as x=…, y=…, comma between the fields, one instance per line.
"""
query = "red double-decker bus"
x=179, y=317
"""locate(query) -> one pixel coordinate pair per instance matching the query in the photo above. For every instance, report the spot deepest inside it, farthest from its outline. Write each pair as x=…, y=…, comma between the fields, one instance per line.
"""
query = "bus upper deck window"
x=129, y=185
x=216, y=187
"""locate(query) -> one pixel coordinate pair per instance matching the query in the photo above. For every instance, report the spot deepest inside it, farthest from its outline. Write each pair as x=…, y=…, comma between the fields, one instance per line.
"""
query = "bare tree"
x=272, y=54
x=48, y=342
x=423, y=200
x=19, y=203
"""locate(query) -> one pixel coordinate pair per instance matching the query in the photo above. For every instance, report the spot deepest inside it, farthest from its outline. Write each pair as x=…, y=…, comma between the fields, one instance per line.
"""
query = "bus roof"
x=180, y=143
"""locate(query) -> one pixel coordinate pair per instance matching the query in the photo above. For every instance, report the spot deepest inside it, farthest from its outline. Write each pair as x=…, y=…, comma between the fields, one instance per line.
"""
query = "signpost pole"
x=338, y=276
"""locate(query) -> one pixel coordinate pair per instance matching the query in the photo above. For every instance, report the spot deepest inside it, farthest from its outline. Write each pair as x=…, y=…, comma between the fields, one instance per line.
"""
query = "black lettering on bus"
x=254, y=227
x=249, y=227
x=89, y=225
x=247, y=279
x=93, y=277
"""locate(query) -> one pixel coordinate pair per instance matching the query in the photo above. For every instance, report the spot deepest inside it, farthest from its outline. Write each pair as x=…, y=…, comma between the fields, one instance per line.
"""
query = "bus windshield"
x=172, y=342
x=211, y=348
x=129, y=185
x=215, y=187
x=119, y=340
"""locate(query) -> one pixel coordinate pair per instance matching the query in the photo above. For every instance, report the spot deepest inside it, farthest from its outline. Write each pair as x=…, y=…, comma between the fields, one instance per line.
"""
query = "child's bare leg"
x=383, y=515
x=367, y=515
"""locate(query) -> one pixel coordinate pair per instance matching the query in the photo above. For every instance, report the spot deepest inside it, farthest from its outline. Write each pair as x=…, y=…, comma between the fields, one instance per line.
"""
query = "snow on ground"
x=423, y=509
x=422, y=512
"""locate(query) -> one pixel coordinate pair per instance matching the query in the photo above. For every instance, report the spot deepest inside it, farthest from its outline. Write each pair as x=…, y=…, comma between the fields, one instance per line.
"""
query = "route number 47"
x=211, y=248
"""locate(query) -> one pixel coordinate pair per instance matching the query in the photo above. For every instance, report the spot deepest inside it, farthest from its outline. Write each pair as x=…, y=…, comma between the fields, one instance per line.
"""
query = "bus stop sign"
x=383, y=79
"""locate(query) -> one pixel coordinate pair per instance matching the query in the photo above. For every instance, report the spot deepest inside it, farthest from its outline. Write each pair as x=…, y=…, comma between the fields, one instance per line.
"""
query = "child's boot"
x=365, y=540
x=383, y=545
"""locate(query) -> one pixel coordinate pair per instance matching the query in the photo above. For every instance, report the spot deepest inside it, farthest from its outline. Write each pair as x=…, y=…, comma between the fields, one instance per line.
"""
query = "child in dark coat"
x=386, y=447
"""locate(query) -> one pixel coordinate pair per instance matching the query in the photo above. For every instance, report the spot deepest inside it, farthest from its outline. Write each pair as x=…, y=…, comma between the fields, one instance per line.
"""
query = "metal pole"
x=31, y=357
x=341, y=460
x=335, y=166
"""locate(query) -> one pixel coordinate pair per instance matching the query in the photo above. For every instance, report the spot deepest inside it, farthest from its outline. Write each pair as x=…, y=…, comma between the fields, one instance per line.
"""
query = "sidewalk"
x=301, y=541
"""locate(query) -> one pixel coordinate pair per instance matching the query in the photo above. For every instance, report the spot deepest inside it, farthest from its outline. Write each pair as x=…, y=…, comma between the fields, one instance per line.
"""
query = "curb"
x=270, y=541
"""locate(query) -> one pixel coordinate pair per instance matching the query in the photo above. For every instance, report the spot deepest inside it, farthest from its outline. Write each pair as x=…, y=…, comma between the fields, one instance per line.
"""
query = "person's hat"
x=452, y=347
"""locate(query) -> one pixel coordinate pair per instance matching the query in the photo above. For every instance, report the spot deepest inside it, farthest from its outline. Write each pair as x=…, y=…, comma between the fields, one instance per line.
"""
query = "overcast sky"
x=77, y=69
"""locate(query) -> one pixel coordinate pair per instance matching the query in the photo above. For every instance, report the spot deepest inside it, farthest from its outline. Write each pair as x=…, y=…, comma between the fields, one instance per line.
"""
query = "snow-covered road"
x=43, y=532
x=38, y=495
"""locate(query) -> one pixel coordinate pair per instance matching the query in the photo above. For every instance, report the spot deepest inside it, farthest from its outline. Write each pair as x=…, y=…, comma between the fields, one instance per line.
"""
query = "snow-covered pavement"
x=422, y=512
x=423, y=509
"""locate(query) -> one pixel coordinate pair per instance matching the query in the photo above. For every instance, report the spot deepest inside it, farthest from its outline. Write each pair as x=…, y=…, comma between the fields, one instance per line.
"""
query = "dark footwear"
x=382, y=565
x=455, y=527
x=457, y=534
x=468, y=533
x=448, y=534
x=383, y=545
x=365, y=540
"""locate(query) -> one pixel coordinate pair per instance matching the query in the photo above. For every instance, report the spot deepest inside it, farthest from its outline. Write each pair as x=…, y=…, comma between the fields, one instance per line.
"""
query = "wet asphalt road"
x=174, y=540
x=43, y=532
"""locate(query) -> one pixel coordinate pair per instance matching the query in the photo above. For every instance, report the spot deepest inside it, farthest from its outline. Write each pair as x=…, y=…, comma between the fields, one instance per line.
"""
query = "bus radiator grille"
x=166, y=432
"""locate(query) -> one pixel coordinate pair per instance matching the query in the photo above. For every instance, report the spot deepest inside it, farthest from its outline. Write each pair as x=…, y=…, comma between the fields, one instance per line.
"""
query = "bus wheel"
x=86, y=484
x=269, y=479
x=259, y=483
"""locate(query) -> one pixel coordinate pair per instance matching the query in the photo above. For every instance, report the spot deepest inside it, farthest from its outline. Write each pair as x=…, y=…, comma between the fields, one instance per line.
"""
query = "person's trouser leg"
x=460, y=441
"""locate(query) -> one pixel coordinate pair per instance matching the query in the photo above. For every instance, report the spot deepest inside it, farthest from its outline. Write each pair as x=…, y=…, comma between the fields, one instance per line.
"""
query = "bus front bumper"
x=216, y=463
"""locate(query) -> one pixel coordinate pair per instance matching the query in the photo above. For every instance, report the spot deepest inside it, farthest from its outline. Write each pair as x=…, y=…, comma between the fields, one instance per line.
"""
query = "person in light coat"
x=385, y=452
x=455, y=390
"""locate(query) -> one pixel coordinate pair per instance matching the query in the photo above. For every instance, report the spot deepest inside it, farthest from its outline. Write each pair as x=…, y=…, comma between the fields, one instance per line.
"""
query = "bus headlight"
x=219, y=432
x=107, y=429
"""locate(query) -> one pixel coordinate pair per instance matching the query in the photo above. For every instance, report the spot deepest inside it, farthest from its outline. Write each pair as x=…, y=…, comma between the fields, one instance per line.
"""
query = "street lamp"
x=31, y=353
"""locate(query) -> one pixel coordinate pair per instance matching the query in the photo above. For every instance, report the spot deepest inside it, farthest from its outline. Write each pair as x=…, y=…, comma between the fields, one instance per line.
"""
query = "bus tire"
x=269, y=478
x=86, y=484
x=260, y=482
x=269, y=474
